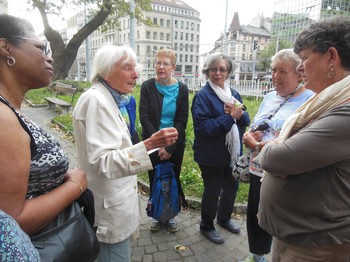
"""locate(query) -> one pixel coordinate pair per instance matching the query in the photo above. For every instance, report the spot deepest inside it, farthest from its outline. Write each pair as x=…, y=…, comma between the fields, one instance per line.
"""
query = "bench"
x=64, y=89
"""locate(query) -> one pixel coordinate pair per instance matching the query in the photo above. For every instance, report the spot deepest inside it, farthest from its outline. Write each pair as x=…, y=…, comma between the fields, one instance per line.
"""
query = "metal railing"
x=254, y=88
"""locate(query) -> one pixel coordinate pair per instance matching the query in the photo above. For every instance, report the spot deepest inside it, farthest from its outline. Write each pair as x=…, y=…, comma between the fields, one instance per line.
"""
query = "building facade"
x=291, y=16
x=244, y=44
x=176, y=25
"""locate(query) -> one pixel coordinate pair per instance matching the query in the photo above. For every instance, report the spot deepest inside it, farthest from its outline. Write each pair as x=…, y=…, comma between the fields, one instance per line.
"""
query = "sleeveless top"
x=49, y=163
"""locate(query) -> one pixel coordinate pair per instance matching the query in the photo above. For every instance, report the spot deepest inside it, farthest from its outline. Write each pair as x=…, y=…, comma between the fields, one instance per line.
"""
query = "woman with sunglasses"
x=34, y=171
x=218, y=122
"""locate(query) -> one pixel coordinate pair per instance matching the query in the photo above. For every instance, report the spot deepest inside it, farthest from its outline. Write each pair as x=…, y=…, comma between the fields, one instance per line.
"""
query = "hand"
x=249, y=140
x=236, y=111
x=163, y=138
x=163, y=154
x=78, y=175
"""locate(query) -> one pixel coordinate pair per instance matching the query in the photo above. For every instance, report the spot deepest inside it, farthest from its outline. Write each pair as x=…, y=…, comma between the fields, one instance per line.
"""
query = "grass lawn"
x=190, y=176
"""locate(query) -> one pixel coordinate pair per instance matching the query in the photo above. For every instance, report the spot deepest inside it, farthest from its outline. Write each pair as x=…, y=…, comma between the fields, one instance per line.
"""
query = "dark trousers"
x=259, y=240
x=176, y=158
x=219, y=194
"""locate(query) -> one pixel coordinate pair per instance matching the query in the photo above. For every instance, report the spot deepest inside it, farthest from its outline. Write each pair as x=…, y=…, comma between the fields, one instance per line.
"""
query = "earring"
x=331, y=74
x=11, y=61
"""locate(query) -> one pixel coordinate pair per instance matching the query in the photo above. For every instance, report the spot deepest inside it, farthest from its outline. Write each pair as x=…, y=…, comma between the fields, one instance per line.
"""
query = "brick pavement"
x=159, y=246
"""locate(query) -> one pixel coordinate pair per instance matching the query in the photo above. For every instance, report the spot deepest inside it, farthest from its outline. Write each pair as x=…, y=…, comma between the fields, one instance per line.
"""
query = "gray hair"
x=329, y=32
x=213, y=59
x=286, y=55
x=107, y=56
x=12, y=28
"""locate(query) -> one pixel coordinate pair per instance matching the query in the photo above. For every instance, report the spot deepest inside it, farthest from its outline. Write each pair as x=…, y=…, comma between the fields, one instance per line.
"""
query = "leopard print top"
x=49, y=163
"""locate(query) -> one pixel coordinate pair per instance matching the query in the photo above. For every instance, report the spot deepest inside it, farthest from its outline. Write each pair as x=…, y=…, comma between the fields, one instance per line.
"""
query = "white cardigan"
x=111, y=163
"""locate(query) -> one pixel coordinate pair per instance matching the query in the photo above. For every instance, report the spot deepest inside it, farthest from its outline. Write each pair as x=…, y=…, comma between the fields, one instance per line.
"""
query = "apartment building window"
x=168, y=23
x=181, y=24
x=161, y=36
x=175, y=36
x=192, y=37
x=180, y=58
x=187, y=25
x=138, y=34
x=148, y=35
x=155, y=36
x=192, y=26
x=138, y=50
x=191, y=58
x=175, y=46
x=176, y=23
x=198, y=28
x=181, y=35
x=186, y=58
x=155, y=20
x=123, y=24
x=188, y=69
x=186, y=37
x=148, y=49
x=161, y=21
x=168, y=37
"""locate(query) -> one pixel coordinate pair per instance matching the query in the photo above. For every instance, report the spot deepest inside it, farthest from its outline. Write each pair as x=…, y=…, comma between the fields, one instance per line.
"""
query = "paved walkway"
x=159, y=246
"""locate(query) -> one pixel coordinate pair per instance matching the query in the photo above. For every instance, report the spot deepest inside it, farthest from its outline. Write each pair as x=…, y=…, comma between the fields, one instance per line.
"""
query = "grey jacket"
x=311, y=206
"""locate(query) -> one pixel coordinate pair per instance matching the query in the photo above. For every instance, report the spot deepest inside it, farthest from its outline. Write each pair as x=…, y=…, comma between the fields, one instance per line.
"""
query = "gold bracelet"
x=80, y=187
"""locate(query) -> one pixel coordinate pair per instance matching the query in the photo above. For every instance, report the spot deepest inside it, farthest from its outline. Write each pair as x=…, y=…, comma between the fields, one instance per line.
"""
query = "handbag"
x=68, y=238
x=240, y=170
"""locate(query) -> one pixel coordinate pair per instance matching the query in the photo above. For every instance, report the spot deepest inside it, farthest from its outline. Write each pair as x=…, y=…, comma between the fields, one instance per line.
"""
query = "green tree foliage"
x=103, y=13
x=265, y=55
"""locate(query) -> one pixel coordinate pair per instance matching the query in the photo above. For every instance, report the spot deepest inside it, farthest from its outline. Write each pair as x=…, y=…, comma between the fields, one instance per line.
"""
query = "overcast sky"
x=212, y=14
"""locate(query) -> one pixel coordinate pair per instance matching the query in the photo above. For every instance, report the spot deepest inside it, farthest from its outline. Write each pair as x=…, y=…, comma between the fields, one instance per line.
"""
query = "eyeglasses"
x=43, y=46
x=221, y=70
x=164, y=64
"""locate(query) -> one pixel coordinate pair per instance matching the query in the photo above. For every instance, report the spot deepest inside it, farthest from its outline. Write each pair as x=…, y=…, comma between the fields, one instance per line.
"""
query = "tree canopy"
x=264, y=56
x=104, y=13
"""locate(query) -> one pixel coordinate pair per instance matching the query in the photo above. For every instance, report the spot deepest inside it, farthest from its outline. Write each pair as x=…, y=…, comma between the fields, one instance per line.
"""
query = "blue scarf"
x=170, y=94
x=121, y=100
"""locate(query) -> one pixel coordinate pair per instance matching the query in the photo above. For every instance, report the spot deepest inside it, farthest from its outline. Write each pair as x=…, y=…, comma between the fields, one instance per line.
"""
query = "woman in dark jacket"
x=164, y=103
x=219, y=122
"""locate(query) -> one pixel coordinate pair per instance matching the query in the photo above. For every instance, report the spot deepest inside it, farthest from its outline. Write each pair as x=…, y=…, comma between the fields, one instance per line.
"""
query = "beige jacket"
x=111, y=163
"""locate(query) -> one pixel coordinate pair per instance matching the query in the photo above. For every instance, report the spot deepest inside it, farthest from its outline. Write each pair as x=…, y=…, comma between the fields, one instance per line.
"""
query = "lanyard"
x=285, y=100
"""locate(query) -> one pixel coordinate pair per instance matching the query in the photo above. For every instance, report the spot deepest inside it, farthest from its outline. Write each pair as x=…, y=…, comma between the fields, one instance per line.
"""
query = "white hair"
x=107, y=56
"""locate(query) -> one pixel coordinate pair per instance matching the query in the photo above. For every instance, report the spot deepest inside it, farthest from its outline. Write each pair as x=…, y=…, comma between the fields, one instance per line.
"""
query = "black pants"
x=176, y=158
x=259, y=240
x=219, y=194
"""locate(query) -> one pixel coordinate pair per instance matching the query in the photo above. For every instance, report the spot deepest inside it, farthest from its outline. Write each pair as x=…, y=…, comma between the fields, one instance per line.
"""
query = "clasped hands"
x=235, y=110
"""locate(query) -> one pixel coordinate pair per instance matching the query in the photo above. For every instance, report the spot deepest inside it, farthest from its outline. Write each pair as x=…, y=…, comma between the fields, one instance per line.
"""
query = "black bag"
x=69, y=238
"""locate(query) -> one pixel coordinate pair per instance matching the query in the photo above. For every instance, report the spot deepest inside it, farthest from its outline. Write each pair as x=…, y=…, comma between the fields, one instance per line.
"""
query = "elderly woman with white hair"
x=105, y=150
x=275, y=108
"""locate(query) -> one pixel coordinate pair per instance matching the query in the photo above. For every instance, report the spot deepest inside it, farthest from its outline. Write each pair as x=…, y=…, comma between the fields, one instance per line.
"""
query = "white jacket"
x=111, y=163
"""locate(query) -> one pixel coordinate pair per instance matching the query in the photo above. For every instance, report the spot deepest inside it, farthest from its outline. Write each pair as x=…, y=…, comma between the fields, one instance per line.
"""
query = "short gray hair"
x=287, y=55
x=107, y=56
x=213, y=58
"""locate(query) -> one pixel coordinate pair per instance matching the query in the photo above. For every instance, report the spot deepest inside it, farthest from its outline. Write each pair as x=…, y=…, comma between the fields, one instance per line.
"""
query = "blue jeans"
x=219, y=194
x=117, y=252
